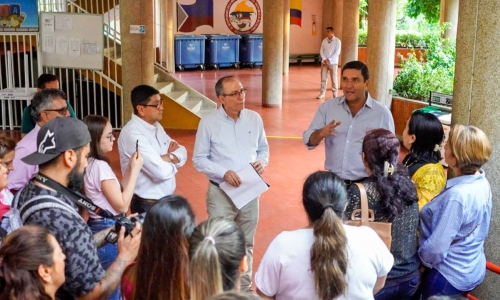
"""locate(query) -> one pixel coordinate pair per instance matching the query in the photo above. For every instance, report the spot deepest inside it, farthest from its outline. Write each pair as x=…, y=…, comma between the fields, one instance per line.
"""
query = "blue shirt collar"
x=368, y=103
x=465, y=178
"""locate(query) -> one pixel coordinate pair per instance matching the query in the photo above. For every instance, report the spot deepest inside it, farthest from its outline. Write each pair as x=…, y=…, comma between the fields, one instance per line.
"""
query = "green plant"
x=418, y=77
x=404, y=39
x=428, y=8
x=362, y=38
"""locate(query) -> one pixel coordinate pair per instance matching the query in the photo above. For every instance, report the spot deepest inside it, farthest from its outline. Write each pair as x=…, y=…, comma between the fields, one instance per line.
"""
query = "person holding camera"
x=102, y=186
x=62, y=151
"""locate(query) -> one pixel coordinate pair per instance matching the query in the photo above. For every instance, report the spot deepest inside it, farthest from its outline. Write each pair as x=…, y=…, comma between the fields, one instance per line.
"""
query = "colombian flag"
x=296, y=12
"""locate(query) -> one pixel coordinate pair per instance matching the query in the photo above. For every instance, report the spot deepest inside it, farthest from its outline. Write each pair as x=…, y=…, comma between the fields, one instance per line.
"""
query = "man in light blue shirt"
x=344, y=121
x=227, y=140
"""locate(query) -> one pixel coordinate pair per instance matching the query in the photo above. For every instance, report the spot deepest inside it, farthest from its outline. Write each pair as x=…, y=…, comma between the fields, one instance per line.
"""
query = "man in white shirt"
x=330, y=51
x=162, y=155
x=227, y=140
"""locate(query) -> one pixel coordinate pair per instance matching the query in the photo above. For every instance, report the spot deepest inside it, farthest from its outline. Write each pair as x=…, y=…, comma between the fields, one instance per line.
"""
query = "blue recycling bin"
x=190, y=51
x=251, y=50
x=222, y=50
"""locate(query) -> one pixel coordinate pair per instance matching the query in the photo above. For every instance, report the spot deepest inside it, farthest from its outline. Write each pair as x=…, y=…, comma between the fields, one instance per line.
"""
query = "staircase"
x=183, y=106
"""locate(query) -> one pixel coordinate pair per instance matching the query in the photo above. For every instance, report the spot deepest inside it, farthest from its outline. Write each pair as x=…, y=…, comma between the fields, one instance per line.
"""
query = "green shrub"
x=403, y=39
x=417, y=78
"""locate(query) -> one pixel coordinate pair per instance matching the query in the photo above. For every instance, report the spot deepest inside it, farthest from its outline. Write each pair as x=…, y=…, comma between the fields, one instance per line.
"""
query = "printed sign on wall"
x=18, y=15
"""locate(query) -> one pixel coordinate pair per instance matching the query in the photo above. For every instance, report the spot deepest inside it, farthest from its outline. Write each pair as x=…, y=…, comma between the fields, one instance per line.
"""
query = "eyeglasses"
x=236, y=94
x=62, y=111
x=110, y=137
x=160, y=104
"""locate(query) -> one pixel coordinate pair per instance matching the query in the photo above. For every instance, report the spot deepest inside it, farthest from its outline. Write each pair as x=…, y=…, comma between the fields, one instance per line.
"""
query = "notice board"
x=70, y=40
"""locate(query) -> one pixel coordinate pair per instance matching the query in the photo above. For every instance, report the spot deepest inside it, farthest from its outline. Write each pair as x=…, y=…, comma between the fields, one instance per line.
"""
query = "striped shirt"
x=453, y=228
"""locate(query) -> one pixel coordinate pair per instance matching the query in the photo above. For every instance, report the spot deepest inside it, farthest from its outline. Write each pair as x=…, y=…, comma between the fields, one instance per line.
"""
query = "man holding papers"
x=227, y=141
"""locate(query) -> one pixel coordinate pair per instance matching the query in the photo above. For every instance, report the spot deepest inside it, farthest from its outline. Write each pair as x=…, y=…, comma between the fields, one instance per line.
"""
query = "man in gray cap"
x=62, y=150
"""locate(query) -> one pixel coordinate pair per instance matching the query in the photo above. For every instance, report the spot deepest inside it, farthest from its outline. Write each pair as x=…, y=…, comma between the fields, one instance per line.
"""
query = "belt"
x=214, y=183
x=140, y=199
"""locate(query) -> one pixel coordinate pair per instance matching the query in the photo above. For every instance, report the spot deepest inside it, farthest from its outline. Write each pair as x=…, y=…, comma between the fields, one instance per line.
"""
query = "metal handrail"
x=490, y=267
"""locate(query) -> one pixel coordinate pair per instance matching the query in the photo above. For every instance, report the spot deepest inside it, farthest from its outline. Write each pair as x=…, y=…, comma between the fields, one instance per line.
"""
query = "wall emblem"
x=243, y=16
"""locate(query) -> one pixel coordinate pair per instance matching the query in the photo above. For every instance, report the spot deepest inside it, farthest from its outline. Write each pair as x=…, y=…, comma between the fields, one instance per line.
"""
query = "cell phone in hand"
x=136, y=148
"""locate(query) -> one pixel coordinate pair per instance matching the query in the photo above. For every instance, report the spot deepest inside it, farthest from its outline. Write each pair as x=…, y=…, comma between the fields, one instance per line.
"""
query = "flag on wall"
x=189, y=17
x=296, y=12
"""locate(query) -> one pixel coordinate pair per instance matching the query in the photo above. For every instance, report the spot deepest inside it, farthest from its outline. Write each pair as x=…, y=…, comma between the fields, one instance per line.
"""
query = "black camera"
x=129, y=225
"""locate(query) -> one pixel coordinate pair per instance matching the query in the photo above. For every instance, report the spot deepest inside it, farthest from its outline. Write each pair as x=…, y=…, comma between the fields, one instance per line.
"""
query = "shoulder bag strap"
x=364, y=204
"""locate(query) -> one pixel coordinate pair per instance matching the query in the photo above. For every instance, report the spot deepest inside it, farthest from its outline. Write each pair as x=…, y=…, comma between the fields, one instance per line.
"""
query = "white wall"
x=301, y=38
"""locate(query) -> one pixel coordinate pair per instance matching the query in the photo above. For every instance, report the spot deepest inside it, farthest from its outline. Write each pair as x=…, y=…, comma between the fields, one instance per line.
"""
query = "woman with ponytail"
x=423, y=136
x=327, y=260
x=31, y=265
x=392, y=197
x=217, y=258
x=161, y=270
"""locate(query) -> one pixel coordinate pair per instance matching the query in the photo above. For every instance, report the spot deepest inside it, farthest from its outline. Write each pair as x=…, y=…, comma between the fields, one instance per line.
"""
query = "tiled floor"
x=290, y=162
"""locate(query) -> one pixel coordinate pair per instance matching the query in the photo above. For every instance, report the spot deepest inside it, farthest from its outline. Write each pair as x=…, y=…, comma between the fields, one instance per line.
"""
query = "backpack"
x=16, y=217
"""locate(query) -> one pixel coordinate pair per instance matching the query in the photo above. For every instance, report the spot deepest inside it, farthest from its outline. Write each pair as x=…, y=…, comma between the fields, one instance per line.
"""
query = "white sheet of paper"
x=48, y=43
x=61, y=45
x=74, y=47
x=252, y=185
x=48, y=24
x=64, y=23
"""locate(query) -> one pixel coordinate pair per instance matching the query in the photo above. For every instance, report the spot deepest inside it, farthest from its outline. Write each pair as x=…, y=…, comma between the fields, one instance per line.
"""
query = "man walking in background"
x=330, y=51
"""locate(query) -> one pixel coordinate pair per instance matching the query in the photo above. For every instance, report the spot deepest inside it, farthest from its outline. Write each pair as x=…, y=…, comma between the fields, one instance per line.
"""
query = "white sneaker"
x=321, y=96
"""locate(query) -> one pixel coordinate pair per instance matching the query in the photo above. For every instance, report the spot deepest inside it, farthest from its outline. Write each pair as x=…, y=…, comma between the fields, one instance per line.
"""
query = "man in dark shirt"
x=63, y=147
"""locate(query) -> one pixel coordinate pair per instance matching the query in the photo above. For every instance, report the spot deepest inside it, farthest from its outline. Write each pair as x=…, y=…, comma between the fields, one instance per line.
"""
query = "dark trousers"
x=401, y=291
x=433, y=283
x=140, y=205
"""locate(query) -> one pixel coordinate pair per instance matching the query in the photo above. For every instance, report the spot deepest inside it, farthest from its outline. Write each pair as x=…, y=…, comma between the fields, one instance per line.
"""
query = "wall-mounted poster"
x=18, y=15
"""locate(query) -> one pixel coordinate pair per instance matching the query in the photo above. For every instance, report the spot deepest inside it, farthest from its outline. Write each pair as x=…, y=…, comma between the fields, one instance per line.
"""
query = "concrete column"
x=442, y=6
x=163, y=49
x=272, y=61
x=350, y=23
x=476, y=102
x=171, y=29
x=326, y=19
x=451, y=16
x=286, y=37
x=337, y=13
x=138, y=52
x=380, y=48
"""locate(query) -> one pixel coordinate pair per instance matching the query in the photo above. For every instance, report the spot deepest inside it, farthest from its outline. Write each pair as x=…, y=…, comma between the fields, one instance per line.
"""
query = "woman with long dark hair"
x=455, y=224
x=161, y=270
x=102, y=186
x=392, y=197
x=326, y=260
x=217, y=258
x=32, y=265
x=423, y=136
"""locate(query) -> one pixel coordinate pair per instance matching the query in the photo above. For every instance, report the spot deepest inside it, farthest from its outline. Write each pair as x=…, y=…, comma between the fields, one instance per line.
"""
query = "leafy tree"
x=428, y=8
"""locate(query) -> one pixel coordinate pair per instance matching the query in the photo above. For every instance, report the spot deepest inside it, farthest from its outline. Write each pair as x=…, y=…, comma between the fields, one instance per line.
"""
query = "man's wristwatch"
x=171, y=156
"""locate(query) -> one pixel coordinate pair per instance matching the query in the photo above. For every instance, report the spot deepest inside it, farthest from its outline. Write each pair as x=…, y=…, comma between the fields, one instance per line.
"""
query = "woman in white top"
x=102, y=186
x=327, y=260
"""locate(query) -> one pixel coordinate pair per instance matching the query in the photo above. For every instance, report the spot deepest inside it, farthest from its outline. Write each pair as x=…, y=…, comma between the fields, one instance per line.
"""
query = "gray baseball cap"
x=55, y=137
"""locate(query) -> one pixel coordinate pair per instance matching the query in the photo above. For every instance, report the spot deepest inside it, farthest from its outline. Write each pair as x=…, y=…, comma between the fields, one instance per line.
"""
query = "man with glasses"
x=45, y=81
x=162, y=155
x=227, y=140
x=45, y=106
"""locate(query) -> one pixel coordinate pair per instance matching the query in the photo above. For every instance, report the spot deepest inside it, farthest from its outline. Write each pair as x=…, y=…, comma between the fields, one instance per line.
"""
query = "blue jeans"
x=401, y=291
x=433, y=283
x=108, y=253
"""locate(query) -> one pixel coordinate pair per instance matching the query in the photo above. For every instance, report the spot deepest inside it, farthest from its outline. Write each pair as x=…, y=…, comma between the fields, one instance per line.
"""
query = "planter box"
x=397, y=62
x=401, y=109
